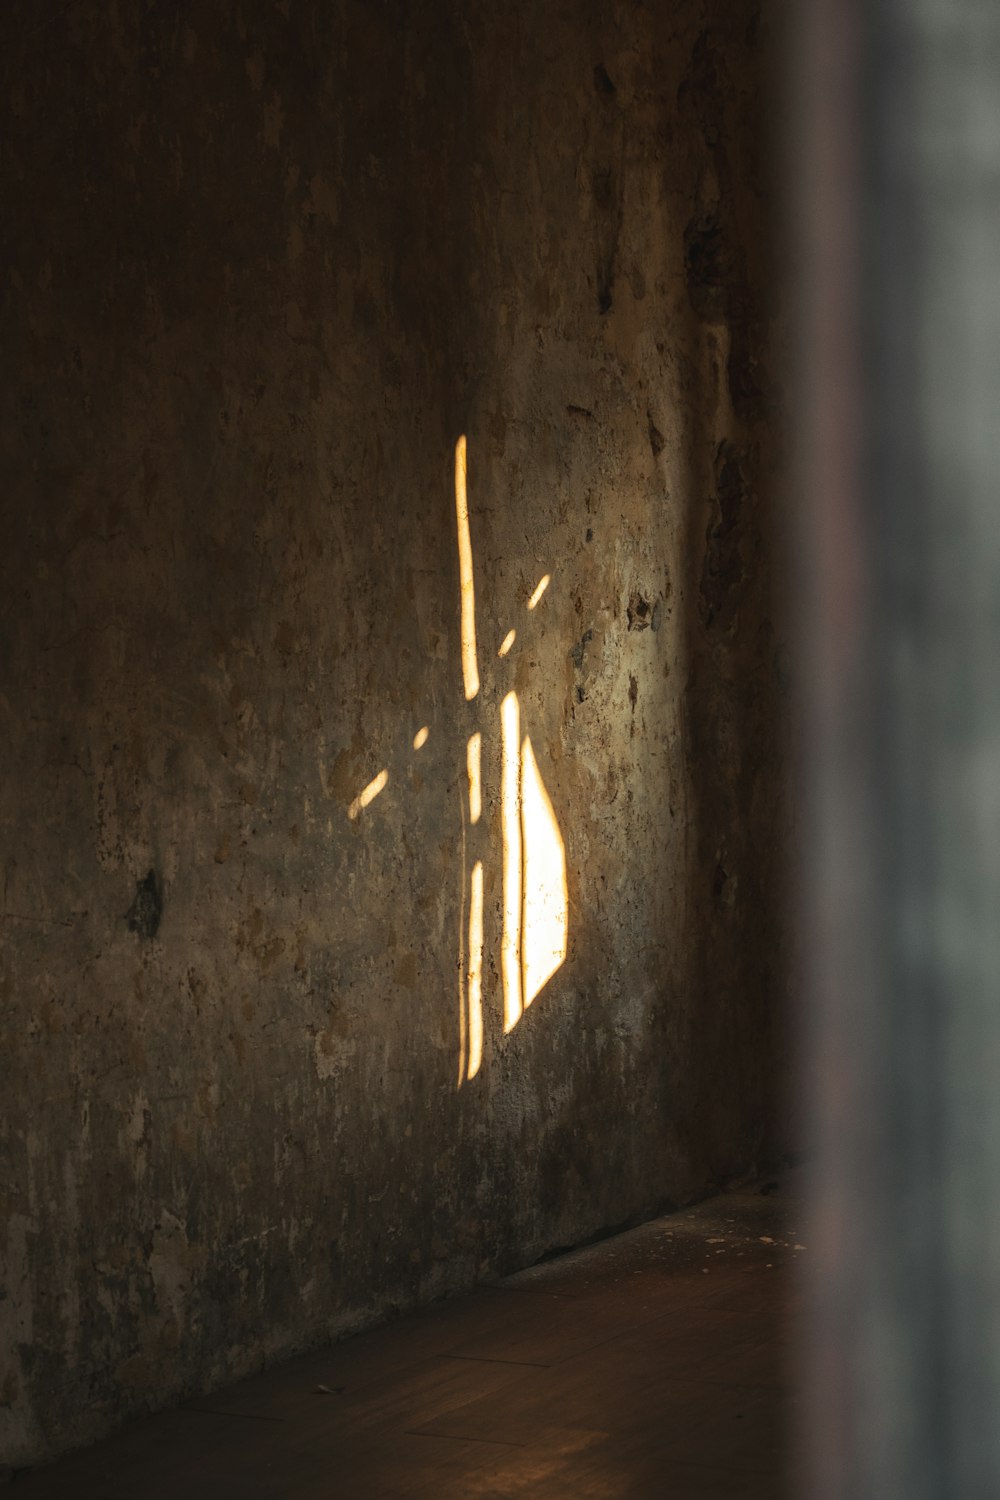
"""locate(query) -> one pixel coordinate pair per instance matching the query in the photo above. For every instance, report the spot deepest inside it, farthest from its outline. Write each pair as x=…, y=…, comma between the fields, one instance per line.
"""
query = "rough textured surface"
x=657, y=1363
x=261, y=266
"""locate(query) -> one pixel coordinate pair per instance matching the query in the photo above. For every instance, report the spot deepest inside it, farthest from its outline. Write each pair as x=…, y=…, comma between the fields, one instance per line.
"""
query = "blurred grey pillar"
x=901, y=623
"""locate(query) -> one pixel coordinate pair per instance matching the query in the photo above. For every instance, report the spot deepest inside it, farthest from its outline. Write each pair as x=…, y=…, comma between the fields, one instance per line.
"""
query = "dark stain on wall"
x=143, y=916
x=639, y=612
x=724, y=565
x=716, y=263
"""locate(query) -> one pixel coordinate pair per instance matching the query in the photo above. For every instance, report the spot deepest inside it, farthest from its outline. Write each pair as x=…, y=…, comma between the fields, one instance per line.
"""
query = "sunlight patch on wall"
x=371, y=791
x=470, y=666
x=545, y=903
x=535, y=900
x=540, y=588
x=534, y=937
x=474, y=769
x=510, y=950
x=463, y=978
x=475, y=982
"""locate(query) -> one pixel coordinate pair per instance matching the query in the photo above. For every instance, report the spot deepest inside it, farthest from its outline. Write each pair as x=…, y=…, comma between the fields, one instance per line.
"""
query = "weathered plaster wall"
x=262, y=264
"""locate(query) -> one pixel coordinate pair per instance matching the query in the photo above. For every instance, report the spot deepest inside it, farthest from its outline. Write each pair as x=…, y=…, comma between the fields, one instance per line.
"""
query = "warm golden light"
x=475, y=989
x=369, y=794
x=510, y=950
x=462, y=978
x=470, y=666
x=473, y=761
x=545, y=912
x=540, y=588
x=534, y=940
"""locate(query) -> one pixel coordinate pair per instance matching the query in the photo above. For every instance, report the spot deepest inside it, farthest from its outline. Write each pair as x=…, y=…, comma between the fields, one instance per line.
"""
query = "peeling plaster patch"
x=577, y=653
x=70, y=1290
x=17, y=1308
x=640, y=613
x=331, y=1051
x=170, y=1261
x=135, y=1135
x=273, y=123
x=324, y=198
x=16, y=1331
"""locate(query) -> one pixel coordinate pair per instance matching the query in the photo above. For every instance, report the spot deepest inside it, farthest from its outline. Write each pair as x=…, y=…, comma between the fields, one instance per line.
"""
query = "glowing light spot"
x=473, y=761
x=420, y=738
x=462, y=985
x=470, y=666
x=540, y=588
x=475, y=993
x=545, y=915
x=510, y=797
x=369, y=794
x=507, y=642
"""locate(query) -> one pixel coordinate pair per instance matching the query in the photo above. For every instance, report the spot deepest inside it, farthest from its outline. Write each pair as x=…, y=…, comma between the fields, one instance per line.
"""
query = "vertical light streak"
x=475, y=1026
x=470, y=666
x=510, y=797
x=473, y=761
x=507, y=642
x=545, y=913
x=462, y=1038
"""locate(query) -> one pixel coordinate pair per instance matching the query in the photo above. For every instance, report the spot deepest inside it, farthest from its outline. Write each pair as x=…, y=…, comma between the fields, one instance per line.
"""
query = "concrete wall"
x=262, y=266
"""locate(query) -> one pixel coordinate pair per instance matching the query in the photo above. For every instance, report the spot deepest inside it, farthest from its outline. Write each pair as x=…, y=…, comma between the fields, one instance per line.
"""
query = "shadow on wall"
x=735, y=691
x=532, y=851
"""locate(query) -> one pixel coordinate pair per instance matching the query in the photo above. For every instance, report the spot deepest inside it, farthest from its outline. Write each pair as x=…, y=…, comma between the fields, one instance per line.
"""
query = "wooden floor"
x=650, y=1366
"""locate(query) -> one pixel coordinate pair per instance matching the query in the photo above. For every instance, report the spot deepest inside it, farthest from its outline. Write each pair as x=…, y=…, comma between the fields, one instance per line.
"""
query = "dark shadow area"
x=264, y=269
x=736, y=691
